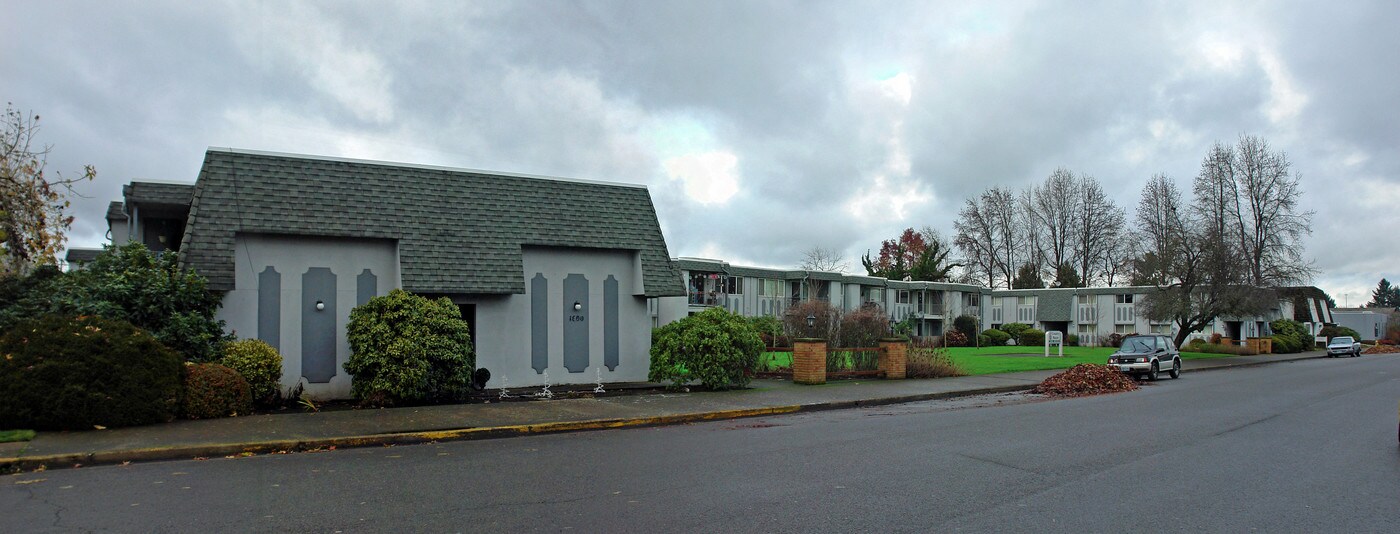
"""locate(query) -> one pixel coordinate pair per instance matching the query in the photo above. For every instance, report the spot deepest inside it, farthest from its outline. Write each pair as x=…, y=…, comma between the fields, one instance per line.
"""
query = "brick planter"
x=809, y=361
x=893, y=357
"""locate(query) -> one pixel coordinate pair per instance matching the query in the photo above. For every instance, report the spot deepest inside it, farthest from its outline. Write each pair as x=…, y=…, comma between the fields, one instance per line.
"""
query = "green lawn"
x=1007, y=359
x=7, y=436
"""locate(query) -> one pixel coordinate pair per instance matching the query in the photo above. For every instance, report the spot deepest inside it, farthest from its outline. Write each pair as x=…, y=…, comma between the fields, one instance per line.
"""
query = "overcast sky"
x=762, y=128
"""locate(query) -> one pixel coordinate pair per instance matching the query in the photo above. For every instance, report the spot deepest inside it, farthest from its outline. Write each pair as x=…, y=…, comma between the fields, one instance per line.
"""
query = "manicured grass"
x=7, y=436
x=1007, y=359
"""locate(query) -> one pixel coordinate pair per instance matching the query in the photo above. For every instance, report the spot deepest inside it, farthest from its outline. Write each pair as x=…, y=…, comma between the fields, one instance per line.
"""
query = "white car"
x=1343, y=346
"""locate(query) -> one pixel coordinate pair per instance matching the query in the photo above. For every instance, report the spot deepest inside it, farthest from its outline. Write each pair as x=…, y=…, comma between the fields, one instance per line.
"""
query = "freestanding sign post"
x=1057, y=338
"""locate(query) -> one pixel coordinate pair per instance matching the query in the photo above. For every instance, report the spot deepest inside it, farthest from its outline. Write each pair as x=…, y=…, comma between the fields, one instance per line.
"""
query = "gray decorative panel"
x=366, y=287
x=318, y=325
x=270, y=307
x=539, y=323
x=610, y=326
x=575, y=323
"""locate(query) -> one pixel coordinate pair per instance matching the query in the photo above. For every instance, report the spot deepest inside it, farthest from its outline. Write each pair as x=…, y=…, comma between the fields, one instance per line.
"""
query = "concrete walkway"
x=290, y=432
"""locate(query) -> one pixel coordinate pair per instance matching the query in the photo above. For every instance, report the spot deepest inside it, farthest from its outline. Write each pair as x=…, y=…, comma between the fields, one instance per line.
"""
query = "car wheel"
x=1356, y=354
x=1176, y=369
x=1152, y=375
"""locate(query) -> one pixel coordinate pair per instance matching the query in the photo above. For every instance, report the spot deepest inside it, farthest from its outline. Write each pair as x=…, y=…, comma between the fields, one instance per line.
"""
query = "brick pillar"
x=893, y=355
x=809, y=361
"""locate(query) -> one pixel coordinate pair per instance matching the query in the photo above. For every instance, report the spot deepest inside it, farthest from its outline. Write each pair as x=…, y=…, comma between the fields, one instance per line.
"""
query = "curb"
x=64, y=461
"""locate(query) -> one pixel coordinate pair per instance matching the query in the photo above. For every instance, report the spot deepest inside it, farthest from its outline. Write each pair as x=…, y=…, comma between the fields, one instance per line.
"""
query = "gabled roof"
x=458, y=230
x=81, y=255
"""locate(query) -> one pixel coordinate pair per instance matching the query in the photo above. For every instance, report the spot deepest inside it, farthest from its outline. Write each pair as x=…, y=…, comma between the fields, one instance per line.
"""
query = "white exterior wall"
x=292, y=257
x=503, y=342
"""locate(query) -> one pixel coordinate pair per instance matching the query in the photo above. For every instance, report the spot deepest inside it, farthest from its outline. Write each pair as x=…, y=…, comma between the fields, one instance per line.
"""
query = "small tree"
x=1028, y=277
x=407, y=348
x=32, y=219
x=132, y=284
x=823, y=259
x=715, y=347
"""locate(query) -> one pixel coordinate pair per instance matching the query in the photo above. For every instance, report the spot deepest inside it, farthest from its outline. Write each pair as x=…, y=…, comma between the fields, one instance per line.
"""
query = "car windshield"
x=1137, y=344
x=1344, y=340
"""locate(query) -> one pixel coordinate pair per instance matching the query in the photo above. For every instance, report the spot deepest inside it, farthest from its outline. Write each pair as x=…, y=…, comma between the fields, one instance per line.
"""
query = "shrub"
x=955, y=338
x=767, y=325
x=260, y=365
x=1072, y=340
x=827, y=317
x=213, y=391
x=405, y=348
x=861, y=328
x=1216, y=338
x=930, y=363
x=1031, y=337
x=150, y=291
x=1197, y=345
x=1086, y=379
x=714, y=346
x=73, y=373
x=966, y=324
x=1114, y=340
x=1014, y=330
x=1290, y=336
x=1331, y=331
x=994, y=337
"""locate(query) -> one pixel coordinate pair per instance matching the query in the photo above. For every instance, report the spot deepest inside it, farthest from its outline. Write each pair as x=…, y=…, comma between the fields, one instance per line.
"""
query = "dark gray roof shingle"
x=149, y=193
x=116, y=211
x=459, y=231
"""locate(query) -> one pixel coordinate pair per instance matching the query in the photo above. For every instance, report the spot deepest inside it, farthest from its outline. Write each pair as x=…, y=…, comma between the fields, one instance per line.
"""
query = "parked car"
x=1342, y=346
x=1147, y=355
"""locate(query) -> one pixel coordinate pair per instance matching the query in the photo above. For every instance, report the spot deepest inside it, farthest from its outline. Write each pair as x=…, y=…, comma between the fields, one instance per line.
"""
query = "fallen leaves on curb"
x=1086, y=379
x=1382, y=349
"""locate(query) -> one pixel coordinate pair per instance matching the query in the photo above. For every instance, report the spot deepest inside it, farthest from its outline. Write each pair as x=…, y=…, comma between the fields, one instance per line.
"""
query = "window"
x=877, y=295
x=1124, y=329
x=972, y=299
x=1085, y=331
x=1087, y=300
x=1125, y=299
x=903, y=297
x=770, y=288
x=1164, y=329
x=734, y=285
x=1028, y=301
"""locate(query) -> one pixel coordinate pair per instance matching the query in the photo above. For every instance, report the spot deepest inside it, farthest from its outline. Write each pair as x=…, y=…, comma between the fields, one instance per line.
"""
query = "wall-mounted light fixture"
x=577, y=306
x=320, y=305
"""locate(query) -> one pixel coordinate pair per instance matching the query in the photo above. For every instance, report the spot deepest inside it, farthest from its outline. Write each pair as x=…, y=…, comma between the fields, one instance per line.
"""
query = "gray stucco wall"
x=1369, y=325
x=503, y=322
x=292, y=257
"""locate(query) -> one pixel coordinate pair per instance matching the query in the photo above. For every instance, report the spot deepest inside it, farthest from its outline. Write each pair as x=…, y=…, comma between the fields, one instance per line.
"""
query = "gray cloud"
x=806, y=97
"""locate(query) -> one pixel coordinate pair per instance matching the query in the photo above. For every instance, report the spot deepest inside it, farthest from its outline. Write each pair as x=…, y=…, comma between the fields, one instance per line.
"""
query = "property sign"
x=1057, y=338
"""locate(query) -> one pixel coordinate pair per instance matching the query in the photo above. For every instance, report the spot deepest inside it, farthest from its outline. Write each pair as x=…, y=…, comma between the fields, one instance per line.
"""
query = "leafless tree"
x=1052, y=209
x=823, y=259
x=1270, y=225
x=976, y=238
x=1100, y=222
x=1004, y=214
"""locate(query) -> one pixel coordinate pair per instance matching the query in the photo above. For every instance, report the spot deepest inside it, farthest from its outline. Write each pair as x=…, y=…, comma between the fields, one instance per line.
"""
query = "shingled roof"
x=458, y=230
x=157, y=193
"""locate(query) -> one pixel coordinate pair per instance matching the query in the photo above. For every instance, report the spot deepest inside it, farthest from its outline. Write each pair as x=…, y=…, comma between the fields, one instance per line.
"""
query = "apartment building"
x=1092, y=314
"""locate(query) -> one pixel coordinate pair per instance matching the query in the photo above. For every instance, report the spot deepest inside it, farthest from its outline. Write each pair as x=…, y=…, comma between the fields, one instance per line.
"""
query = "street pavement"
x=1303, y=446
x=263, y=434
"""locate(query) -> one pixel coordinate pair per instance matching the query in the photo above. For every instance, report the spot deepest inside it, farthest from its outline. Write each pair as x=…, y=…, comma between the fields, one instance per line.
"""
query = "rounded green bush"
x=213, y=391
x=1031, y=337
x=994, y=337
x=1014, y=330
x=260, y=365
x=60, y=373
x=714, y=346
x=405, y=348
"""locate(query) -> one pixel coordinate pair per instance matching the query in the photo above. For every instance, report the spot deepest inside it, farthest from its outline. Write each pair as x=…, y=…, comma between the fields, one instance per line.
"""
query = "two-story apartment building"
x=1092, y=314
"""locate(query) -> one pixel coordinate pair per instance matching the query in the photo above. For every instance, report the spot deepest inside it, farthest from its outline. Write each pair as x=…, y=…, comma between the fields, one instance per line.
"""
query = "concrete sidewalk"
x=261, y=434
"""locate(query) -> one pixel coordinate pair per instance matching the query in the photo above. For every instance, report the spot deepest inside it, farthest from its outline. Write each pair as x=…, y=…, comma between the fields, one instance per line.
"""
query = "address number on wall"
x=576, y=318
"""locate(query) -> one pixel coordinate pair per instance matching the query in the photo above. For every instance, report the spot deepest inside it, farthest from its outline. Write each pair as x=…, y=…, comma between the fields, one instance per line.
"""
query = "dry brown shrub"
x=1086, y=379
x=930, y=363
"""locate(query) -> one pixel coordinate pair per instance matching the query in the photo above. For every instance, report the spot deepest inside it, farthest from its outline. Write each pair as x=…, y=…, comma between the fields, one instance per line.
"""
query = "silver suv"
x=1147, y=355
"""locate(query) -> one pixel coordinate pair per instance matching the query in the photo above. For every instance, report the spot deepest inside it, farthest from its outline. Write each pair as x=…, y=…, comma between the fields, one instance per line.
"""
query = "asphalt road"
x=1308, y=446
